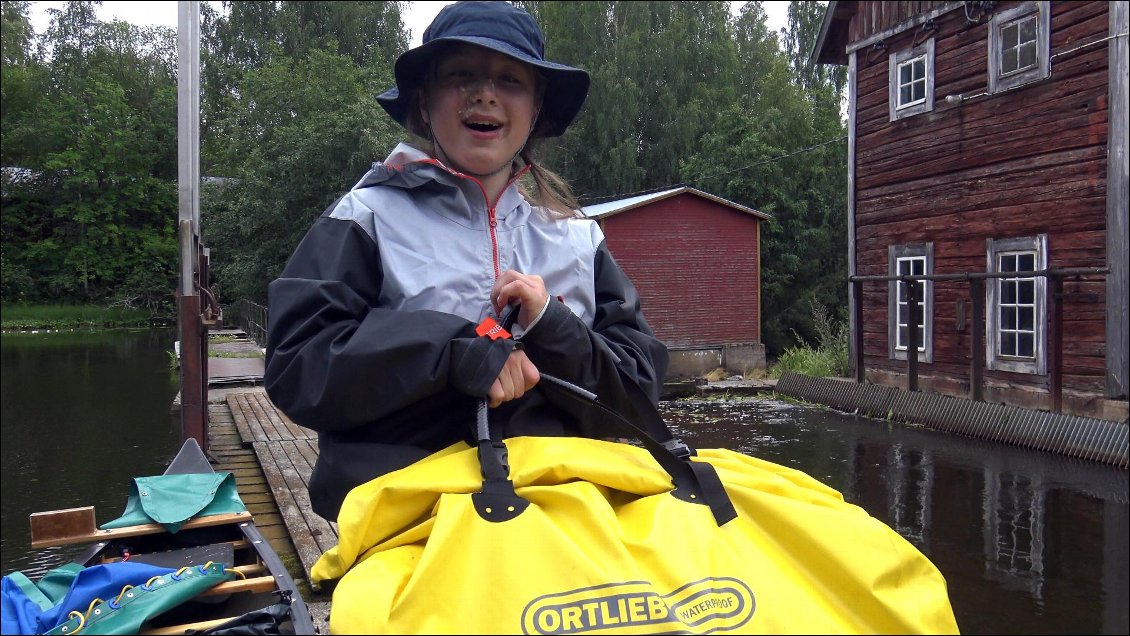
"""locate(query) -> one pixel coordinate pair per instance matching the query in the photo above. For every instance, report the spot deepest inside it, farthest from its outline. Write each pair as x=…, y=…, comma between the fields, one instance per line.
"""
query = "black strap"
x=497, y=501
x=695, y=482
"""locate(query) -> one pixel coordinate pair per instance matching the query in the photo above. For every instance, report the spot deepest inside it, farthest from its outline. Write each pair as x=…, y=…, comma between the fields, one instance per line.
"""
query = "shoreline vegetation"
x=68, y=317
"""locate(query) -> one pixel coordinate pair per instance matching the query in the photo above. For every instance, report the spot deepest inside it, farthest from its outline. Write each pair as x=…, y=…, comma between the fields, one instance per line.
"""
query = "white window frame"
x=995, y=360
x=897, y=254
x=998, y=79
x=924, y=51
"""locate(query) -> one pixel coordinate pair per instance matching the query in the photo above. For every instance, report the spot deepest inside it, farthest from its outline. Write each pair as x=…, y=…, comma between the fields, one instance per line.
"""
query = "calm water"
x=80, y=414
x=1029, y=542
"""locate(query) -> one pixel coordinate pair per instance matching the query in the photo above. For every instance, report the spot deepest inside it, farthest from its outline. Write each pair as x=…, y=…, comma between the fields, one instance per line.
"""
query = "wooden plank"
x=273, y=434
x=258, y=433
x=55, y=525
x=1118, y=201
x=240, y=419
x=283, y=425
x=254, y=584
x=282, y=421
x=187, y=628
x=300, y=534
x=130, y=531
x=323, y=536
x=299, y=432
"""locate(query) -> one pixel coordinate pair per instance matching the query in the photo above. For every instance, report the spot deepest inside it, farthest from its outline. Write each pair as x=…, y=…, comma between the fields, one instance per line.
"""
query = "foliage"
x=24, y=317
x=682, y=93
x=306, y=130
x=829, y=358
x=90, y=202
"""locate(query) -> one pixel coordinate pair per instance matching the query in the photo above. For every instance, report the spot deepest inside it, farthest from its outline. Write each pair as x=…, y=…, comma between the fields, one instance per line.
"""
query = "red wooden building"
x=696, y=260
x=987, y=158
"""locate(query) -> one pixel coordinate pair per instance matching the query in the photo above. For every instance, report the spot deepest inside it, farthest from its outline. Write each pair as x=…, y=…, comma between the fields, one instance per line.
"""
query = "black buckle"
x=678, y=448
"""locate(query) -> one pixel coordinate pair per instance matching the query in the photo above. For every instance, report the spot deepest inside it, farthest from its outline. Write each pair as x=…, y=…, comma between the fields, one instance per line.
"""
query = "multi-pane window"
x=911, y=79
x=1016, y=311
x=910, y=260
x=1017, y=306
x=912, y=82
x=910, y=266
x=1019, y=46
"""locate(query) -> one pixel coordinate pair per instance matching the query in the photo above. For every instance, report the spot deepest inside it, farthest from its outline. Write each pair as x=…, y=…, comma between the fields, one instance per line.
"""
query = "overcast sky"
x=418, y=17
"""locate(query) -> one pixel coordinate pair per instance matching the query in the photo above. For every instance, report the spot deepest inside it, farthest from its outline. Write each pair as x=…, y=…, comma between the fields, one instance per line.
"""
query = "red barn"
x=987, y=176
x=696, y=260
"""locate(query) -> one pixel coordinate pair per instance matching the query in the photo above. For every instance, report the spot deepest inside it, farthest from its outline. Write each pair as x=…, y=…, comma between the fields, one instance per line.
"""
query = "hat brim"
x=566, y=87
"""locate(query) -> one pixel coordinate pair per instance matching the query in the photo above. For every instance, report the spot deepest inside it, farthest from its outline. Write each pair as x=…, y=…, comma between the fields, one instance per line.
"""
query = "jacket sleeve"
x=336, y=360
x=617, y=355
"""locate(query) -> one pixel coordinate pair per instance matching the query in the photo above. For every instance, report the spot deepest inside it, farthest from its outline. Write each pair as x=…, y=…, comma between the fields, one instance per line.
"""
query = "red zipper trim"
x=492, y=222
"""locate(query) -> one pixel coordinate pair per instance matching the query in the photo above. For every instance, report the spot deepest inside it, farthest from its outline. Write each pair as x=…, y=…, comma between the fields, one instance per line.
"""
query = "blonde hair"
x=550, y=190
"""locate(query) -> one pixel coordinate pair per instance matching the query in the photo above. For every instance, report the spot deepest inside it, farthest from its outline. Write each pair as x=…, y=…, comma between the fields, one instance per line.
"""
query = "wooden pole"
x=1055, y=369
x=857, y=332
x=911, y=334
x=977, y=341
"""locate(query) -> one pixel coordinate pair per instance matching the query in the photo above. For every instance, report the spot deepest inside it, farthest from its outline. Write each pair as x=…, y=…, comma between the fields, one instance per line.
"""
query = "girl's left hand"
x=513, y=286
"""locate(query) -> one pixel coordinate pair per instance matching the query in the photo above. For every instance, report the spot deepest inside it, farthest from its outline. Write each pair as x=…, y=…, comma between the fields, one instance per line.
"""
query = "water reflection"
x=82, y=413
x=1029, y=542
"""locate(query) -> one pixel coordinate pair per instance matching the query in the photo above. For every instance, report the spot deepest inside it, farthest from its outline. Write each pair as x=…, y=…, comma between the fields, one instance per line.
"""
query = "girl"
x=383, y=332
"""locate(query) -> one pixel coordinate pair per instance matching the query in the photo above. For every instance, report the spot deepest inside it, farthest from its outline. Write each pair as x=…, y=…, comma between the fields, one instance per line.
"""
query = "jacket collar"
x=409, y=167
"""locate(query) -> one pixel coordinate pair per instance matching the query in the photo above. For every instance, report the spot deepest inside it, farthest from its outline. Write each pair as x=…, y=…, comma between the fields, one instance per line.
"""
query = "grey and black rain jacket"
x=371, y=330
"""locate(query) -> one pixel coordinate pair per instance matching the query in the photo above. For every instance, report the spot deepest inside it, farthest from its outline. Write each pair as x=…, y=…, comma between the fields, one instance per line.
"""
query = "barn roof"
x=608, y=208
x=831, y=44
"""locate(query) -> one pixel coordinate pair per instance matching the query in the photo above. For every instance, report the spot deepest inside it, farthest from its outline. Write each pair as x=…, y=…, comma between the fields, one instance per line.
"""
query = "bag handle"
x=695, y=482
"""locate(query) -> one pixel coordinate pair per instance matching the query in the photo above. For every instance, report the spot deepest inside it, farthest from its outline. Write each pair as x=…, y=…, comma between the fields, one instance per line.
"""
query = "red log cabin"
x=677, y=245
x=987, y=202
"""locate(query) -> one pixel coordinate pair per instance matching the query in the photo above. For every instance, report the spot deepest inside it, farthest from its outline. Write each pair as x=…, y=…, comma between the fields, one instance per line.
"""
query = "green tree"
x=779, y=149
x=304, y=131
x=91, y=217
x=252, y=34
x=660, y=73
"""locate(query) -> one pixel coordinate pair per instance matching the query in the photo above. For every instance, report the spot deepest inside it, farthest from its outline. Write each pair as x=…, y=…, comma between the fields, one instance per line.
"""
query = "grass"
x=829, y=358
x=234, y=354
x=28, y=317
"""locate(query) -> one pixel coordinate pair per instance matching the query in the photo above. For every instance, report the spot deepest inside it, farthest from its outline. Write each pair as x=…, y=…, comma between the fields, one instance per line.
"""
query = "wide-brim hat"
x=501, y=27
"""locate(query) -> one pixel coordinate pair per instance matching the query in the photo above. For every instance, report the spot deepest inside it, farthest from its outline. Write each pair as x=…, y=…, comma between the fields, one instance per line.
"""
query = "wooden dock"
x=248, y=437
x=271, y=458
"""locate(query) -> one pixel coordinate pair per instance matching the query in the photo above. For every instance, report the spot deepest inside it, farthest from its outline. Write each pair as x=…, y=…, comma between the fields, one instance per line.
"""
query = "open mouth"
x=482, y=126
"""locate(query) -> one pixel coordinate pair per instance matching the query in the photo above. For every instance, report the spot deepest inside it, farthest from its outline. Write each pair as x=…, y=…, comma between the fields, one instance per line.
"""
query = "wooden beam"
x=1117, y=204
x=76, y=525
x=256, y=584
x=977, y=341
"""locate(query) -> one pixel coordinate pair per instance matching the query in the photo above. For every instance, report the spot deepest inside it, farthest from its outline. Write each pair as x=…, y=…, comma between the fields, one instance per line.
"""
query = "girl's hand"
x=518, y=375
x=516, y=287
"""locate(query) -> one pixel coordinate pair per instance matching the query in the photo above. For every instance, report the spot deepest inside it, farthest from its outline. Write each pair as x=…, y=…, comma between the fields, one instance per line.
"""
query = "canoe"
x=255, y=587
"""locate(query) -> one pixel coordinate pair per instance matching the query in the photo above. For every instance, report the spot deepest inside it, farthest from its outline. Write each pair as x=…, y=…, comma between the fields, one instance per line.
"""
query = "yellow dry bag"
x=573, y=535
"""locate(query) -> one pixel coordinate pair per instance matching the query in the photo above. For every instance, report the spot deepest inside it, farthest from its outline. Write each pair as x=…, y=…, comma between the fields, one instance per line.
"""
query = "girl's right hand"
x=518, y=375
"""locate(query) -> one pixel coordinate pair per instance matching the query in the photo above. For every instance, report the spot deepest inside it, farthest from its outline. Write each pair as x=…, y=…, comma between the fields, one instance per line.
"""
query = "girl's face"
x=481, y=106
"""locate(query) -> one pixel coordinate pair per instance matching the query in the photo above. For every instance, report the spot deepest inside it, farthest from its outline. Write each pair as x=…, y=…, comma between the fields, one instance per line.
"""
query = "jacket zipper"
x=492, y=221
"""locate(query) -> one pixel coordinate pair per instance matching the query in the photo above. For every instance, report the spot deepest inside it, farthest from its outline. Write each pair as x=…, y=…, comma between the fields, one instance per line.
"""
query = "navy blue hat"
x=498, y=26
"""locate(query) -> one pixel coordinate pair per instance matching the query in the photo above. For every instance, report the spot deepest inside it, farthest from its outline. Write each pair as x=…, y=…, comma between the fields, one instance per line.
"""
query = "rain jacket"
x=372, y=325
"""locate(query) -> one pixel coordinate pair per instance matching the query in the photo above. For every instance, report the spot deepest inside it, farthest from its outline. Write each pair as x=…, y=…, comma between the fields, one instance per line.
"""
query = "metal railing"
x=976, y=281
x=252, y=318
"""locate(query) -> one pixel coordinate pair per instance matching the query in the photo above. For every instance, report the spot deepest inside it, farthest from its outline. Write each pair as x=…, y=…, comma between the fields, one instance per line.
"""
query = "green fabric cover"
x=141, y=603
x=170, y=500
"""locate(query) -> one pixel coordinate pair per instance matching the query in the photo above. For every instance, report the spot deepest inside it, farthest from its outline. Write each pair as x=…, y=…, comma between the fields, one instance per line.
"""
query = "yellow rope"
x=81, y=620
